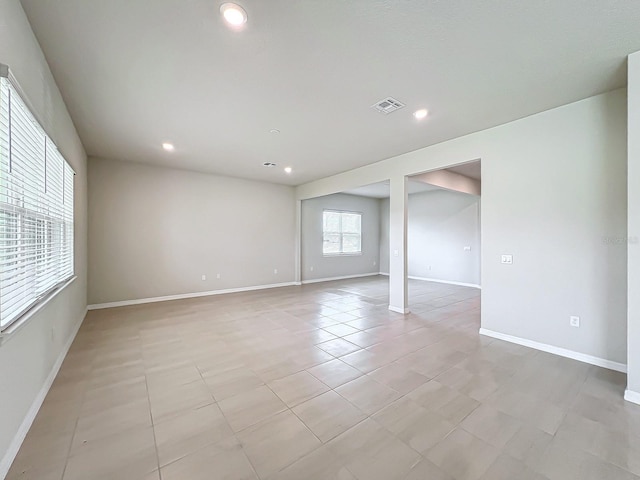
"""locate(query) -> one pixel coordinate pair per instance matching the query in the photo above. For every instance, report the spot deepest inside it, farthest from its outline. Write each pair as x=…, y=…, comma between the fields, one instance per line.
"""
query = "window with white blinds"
x=341, y=233
x=36, y=210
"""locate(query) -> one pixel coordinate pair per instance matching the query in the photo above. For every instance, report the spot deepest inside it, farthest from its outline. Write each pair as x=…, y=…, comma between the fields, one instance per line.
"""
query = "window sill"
x=12, y=329
x=359, y=254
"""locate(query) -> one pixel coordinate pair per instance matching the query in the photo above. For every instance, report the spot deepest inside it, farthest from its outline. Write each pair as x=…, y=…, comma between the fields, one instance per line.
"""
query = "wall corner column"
x=398, y=283
x=633, y=229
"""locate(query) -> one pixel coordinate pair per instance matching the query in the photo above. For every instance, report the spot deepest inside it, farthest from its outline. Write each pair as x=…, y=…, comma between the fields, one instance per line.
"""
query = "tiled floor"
x=323, y=382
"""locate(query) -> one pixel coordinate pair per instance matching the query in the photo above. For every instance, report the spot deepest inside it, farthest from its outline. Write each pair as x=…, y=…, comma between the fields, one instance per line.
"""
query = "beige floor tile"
x=477, y=408
x=371, y=453
x=320, y=464
x=508, y=468
x=368, y=395
x=328, y=415
x=128, y=454
x=335, y=373
x=232, y=382
x=477, y=458
x=190, y=431
x=251, y=407
x=425, y=470
x=491, y=425
x=416, y=426
x=38, y=470
x=222, y=461
x=277, y=442
x=397, y=377
x=178, y=398
x=93, y=427
x=444, y=401
x=338, y=347
x=340, y=330
x=297, y=388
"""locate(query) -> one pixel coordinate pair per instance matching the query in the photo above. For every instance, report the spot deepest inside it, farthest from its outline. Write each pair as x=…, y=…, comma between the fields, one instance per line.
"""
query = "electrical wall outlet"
x=467, y=249
x=204, y=277
x=275, y=271
x=574, y=321
x=374, y=263
x=507, y=259
x=218, y=275
x=311, y=268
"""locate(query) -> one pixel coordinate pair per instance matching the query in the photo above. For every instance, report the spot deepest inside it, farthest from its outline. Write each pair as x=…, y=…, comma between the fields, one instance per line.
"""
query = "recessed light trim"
x=168, y=147
x=420, y=114
x=288, y=170
x=274, y=131
x=233, y=14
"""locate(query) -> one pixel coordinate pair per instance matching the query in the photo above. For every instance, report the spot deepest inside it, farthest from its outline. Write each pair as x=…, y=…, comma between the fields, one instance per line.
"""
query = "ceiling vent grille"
x=388, y=105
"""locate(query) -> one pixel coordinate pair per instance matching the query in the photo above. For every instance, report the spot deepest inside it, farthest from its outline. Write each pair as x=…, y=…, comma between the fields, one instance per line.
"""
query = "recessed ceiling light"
x=274, y=130
x=168, y=147
x=420, y=114
x=288, y=169
x=233, y=14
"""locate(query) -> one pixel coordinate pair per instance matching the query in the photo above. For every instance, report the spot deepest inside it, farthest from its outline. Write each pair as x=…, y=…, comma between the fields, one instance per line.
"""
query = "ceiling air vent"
x=388, y=105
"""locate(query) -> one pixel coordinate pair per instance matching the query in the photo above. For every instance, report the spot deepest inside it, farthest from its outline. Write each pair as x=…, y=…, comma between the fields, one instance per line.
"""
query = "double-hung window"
x=342, y=233
x=36, y=208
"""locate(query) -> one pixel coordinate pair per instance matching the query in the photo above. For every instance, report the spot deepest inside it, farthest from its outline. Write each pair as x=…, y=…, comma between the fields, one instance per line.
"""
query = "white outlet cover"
x=574, y=321
x=218, y=276
x=506, y=259
x=204, y=277
x=275, y=271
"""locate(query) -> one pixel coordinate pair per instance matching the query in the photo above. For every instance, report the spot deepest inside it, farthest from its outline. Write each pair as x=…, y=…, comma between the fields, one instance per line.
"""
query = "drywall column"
x=633, y=227
x=398, y=203
x=298, y=252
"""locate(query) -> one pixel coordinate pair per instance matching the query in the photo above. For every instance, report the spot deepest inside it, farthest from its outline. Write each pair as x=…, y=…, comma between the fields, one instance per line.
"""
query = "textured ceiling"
x=136, y=73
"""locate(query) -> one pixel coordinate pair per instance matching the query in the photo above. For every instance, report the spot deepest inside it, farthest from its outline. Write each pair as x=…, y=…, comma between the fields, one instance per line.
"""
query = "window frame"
x=52, y=280
x=341, y=253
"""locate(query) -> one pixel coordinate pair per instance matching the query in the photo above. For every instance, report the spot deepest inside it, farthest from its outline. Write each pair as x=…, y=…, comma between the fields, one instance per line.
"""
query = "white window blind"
x=36, y=209
x=342, y=233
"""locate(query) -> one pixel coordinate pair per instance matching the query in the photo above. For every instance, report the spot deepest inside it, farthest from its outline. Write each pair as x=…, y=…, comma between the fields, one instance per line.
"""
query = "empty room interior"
x=337, y=240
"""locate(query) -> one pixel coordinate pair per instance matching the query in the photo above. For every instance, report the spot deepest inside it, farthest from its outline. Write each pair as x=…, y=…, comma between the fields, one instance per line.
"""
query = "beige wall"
x=554, y=196
x=28, y=356
x=155, y=231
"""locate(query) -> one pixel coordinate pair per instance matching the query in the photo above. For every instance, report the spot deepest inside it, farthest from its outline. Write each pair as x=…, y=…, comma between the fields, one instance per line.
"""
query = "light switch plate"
x=507, y=259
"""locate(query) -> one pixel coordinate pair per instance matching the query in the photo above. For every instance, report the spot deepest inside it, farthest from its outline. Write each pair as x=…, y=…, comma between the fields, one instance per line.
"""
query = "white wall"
x=29, y=355
x=553, y=192
x=441, y=224
x=342, y=265
x=155, y=231
x=634, y=228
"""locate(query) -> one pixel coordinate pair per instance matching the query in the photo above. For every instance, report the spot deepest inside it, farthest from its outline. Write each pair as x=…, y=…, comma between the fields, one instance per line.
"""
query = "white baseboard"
x=386, y=274
x=344, y=277
x=631, y=396
x=399, y=310
x=182, y=296
x=563, y=352
x=16, y=443
x=448, y=282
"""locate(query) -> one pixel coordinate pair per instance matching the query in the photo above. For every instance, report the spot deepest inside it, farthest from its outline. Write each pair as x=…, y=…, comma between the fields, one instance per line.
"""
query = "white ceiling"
x=136, y=73
x=382, y=189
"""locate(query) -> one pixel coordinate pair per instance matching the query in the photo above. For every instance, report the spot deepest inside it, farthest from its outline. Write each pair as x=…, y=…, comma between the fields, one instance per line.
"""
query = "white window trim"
x=341, y=254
